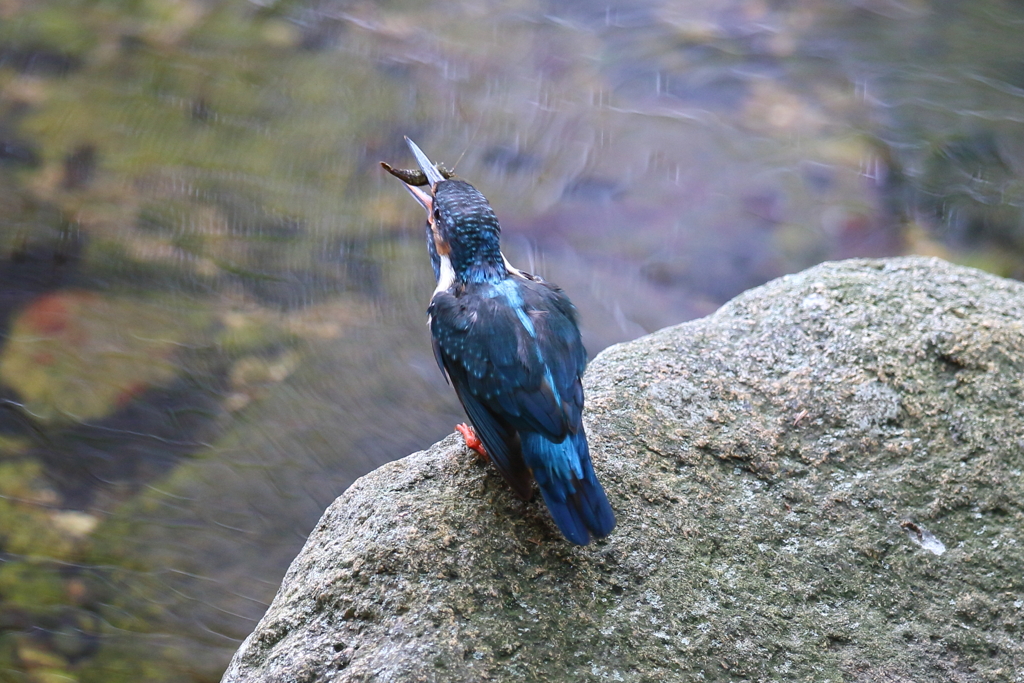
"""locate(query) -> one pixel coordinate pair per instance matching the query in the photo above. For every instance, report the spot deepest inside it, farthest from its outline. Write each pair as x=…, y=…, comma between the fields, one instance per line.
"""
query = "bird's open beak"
x=426, y=165
x=430, y=172
x=428, y=177
x=426, y=200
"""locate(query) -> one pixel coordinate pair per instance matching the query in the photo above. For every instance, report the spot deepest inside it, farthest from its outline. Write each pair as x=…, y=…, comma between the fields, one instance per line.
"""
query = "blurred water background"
x=212, y=298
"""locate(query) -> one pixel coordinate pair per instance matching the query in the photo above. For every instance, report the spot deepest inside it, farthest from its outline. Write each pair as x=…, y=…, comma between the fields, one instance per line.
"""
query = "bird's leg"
x=472, y=440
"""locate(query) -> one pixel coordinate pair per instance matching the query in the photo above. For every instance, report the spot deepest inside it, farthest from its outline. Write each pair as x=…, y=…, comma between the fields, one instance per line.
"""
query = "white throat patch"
x=447, y=277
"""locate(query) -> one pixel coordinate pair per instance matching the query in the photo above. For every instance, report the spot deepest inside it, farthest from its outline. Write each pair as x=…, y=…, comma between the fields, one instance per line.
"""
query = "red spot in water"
x=44, y=358
x=868, y=236
x=47, y=315
x=129, y=393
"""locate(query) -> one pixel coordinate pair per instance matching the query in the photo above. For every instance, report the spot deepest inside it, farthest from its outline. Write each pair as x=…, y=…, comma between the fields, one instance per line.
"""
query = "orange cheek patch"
x=442, y=247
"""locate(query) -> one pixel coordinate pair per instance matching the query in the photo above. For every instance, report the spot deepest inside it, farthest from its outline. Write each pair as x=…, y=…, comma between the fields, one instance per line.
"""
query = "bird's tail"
x=566, y=479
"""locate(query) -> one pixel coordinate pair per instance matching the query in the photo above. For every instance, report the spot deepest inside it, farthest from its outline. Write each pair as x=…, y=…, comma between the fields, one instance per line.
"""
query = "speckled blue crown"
x=467, y=222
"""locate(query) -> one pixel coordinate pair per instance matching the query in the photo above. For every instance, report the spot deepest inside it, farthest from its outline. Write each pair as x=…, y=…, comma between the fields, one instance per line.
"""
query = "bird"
x=509, y=344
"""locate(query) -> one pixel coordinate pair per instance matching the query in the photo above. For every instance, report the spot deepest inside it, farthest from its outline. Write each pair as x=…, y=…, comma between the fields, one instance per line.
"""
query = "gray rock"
x=821, y=481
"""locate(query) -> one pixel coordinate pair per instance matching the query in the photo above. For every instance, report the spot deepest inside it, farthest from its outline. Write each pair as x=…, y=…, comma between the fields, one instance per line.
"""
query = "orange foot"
x=472, y=440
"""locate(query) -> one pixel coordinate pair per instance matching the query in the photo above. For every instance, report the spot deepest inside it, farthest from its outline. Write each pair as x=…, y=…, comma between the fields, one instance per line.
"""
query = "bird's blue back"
x=514, y=354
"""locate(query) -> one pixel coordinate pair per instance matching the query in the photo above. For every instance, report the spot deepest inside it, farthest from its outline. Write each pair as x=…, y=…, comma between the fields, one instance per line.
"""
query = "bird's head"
x=463, y=235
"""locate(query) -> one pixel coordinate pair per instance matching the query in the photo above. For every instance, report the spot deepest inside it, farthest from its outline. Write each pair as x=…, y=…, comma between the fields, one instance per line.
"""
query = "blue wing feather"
x=502, y=444
x=566, y=478
x=532, y=380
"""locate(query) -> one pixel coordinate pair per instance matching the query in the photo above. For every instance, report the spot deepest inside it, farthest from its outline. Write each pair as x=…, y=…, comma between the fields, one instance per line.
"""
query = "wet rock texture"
x=821, y=481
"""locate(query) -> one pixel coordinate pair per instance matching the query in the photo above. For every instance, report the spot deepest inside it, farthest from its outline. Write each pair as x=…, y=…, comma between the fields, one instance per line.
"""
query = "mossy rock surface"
x=821, y=481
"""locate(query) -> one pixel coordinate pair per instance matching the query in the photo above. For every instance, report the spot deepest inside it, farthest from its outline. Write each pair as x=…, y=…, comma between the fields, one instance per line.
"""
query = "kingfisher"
x=509, y=344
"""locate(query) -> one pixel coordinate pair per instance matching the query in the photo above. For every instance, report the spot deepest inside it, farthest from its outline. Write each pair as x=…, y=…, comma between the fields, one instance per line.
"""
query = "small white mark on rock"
x=924, y=538
x=816, y=300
